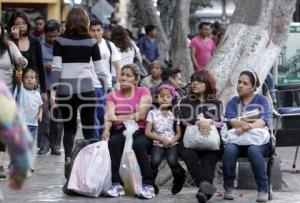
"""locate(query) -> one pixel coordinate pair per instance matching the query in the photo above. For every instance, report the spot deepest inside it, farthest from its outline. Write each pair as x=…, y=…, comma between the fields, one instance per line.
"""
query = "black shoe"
x=179, y=179
x=55, y=151
x=201, y=197
x=68, y=168
x=208, y=189
x=43, y=150
x=156, y=190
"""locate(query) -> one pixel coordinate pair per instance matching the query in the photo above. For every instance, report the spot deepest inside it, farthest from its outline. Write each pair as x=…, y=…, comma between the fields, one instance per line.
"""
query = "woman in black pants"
x=201, y=164
x=72, y=78
x=129, y=103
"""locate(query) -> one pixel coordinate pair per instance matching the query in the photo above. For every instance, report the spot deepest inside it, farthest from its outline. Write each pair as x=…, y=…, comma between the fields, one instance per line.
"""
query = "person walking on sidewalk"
x=73, y=87
x=110, y=58
x=50, y=131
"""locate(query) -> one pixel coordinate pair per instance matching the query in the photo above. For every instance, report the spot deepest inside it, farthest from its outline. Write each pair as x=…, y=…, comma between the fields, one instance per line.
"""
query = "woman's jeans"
x=255, y=155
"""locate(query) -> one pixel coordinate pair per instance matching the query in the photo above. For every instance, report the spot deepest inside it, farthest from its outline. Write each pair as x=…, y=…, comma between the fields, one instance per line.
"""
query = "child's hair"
x=27, y=70
x=167, y=86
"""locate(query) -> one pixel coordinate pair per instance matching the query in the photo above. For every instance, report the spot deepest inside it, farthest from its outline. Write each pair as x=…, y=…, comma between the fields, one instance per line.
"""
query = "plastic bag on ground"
x=91, y=171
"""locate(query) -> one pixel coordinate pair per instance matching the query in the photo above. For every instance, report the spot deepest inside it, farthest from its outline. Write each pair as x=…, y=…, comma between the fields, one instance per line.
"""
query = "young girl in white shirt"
x=164, y=129
x=29, y=100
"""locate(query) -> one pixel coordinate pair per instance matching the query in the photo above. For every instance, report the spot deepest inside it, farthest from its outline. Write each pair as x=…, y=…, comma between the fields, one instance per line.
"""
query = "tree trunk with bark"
x=149, y=15
x=253, y=40
x=180, y=53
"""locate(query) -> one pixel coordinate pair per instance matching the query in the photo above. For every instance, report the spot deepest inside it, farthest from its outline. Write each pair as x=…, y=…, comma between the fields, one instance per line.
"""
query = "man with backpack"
x=110, y=58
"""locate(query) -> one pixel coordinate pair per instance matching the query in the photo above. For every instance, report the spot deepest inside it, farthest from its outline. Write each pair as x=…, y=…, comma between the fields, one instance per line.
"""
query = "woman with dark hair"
x=9, y=55
x=247, y=101
x=72, y=78
x=129, y=51
x=202, y=109
x=30, y=47
x=129, y=103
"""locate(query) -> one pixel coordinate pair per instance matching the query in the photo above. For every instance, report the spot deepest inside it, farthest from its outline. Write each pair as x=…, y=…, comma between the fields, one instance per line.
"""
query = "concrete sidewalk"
x=47, y=180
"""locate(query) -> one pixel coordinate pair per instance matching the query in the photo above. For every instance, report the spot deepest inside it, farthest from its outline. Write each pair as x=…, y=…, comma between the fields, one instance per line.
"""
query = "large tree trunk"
x=253, y=40
x=149, y=16
x=180, y=52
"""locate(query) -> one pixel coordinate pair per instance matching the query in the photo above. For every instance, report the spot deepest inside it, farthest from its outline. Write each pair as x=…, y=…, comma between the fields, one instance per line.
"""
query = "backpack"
x=110, y=51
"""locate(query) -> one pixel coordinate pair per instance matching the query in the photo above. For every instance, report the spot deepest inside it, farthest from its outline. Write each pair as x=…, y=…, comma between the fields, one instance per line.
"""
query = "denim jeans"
x=255, y=155
x=33, y=131
x=100, y=112
x=157, y=153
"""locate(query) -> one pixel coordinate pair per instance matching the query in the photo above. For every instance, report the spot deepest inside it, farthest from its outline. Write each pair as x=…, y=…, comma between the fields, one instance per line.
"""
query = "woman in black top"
x=29, y=46
x=200, y=108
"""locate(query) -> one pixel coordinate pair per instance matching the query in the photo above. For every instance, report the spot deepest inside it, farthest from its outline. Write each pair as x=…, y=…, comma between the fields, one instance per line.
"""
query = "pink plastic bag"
x=91, y=172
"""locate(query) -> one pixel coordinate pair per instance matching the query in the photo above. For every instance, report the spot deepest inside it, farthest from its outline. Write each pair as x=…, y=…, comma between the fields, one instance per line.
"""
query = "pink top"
x=204, y=50
x=128, y=105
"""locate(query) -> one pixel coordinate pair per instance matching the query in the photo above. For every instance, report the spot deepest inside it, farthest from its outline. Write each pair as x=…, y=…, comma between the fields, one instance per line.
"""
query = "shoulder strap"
x=110, y=57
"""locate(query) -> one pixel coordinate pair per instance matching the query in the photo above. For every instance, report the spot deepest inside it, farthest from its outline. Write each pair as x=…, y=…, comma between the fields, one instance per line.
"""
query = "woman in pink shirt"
x=129, y=103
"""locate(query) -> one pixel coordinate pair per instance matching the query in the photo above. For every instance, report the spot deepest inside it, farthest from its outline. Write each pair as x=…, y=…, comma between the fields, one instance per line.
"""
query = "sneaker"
x=43, y=150
x=228, y=195
x=55, y=151
x=262, y=197
x=116, y=190
x=147, y=192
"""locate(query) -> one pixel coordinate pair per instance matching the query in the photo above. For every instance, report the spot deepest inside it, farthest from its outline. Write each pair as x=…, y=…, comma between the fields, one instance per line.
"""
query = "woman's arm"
x=106, y=132
x=19, y=60
x=141, y=114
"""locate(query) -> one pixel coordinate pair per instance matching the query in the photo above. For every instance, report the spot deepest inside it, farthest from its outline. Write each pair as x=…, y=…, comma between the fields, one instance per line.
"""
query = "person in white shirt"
x=29, y=101
x=130, y=53
x=110, y=58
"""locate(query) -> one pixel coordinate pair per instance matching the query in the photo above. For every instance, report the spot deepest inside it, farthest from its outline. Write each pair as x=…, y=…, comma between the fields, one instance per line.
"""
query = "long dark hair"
x=120, y=38
x=3, y=42
x=20, y=14
x=206, y=77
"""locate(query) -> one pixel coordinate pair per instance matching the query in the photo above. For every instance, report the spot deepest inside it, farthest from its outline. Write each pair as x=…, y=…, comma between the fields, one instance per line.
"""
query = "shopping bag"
x=91, y=171
x=193, y=139
x=129, y=171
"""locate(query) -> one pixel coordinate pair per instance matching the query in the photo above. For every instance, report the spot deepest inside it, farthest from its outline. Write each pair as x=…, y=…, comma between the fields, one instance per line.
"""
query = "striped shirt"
x=71, y=68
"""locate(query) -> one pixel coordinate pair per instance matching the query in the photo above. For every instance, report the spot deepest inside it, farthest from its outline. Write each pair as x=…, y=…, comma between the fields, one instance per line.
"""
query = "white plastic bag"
x=91, y=171
x=129, y=171
x=194, y=140
x=255, y=136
